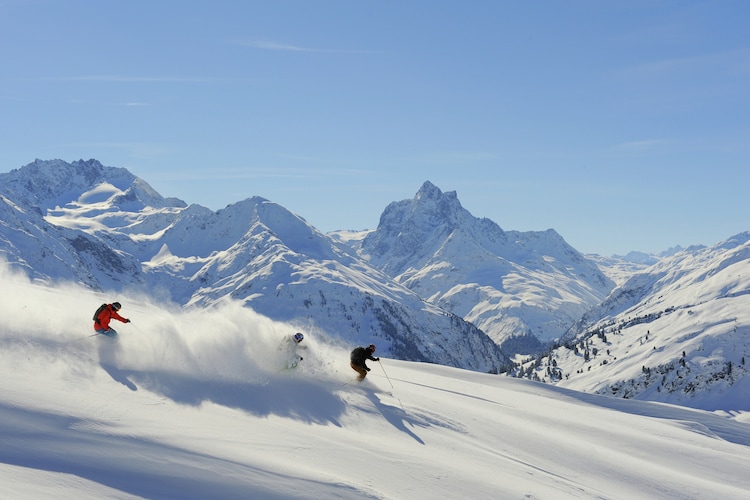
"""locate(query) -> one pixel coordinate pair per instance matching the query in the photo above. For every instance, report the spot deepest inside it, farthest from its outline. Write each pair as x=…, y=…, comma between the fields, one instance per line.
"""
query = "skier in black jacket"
x=359, y=356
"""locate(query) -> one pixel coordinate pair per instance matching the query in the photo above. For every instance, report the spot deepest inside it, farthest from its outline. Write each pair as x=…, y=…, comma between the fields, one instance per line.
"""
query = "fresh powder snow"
x=196, y=403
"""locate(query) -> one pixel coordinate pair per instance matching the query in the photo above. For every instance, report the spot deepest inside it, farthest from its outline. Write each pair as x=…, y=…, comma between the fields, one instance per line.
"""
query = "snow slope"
x=677, y=332
x=193, y=403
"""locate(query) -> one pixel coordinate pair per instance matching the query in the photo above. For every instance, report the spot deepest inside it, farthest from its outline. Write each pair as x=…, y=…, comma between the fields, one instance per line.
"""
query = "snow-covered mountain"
x=673, y=328
x=678, y=331
x=109, y=230
x=508, y=283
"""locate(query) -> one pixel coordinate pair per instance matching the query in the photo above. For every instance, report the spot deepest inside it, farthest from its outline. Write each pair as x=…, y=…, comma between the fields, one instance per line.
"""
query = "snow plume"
x=165, y=347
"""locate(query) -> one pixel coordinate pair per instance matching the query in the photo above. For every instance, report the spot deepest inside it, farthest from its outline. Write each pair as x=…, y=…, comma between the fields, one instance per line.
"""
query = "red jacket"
x=107, y=315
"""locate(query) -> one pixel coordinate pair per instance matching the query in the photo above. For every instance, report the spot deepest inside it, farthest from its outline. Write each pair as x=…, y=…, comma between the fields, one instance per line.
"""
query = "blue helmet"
x=298, y=337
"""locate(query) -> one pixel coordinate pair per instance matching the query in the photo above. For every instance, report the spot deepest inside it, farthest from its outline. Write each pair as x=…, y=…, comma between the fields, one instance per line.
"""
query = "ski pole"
x=87, y=336
x=386, y=375
x=389, y=381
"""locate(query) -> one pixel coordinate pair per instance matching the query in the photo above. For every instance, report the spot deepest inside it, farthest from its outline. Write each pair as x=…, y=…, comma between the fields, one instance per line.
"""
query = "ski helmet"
x=116, y=305
x=371, y=347
x=298, y=337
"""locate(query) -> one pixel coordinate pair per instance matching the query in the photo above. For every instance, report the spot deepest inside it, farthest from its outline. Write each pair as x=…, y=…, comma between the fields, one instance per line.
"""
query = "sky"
x=167, y=411
x=621, y=125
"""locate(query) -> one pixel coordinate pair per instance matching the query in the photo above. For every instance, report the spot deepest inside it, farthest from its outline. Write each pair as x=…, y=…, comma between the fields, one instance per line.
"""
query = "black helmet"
x=298, y=337
x=117, y=306
x=371, y=347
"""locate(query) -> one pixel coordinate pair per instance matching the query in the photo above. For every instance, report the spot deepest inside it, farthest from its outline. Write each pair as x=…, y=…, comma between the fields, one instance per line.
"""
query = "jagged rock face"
x=110, y=230
x=509, y=284
x=410, y=232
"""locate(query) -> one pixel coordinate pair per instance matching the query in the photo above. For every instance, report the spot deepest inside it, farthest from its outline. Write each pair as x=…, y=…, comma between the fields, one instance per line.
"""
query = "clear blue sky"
x=623, y=125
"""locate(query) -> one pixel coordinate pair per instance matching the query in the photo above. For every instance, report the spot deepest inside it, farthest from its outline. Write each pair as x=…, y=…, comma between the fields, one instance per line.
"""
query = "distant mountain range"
x=678, y=332
x=430, y=283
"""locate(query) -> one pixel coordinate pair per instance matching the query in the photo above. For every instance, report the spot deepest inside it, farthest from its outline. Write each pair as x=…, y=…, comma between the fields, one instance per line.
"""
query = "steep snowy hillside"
x=168, y=412
x=508, y=283
x=109, y=230
x=678, y=332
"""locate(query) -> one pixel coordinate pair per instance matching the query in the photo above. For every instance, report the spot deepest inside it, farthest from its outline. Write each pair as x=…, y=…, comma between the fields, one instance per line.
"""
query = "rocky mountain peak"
x=46, y=184
x=435, y=207
x=434, y=246
x=430, y=191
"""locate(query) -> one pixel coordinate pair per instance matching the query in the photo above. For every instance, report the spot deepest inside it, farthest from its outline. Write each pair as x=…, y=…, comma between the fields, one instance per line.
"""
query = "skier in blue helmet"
x=292, y=347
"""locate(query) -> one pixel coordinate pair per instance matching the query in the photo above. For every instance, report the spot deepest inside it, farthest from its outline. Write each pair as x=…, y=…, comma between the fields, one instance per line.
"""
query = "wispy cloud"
x=727, y=62
x=279, y=46
x=144, y=79
x=285, y=47
x=642, y=145
x=140, y=150
x=454, y=157
x=131, y=104
x=243, y=173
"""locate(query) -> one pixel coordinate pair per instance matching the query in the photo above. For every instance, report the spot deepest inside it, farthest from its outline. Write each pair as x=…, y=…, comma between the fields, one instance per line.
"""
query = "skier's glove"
x=301, y=358
x=377, y=359
x=367, y=369
x=127, y=321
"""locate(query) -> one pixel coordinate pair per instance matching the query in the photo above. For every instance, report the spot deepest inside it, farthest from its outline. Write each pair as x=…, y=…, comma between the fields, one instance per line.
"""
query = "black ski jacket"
x=360, y=355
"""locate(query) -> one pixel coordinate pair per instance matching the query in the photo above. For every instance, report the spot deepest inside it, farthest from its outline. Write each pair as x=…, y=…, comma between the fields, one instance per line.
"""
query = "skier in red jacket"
x=106, y=314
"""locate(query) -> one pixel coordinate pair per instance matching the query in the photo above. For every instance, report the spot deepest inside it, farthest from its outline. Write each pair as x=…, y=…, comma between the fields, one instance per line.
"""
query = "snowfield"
x=196, y=403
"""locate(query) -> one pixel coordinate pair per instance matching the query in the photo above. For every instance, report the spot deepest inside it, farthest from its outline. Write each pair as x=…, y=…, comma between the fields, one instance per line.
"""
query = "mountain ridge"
x=110, y=237
x=466, y=294
x=422, y=242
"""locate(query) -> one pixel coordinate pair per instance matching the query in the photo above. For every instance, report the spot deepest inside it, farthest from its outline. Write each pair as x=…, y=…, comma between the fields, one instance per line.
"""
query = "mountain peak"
x=432, y=208
x=413, y=230
x=434, y=246
x=430, y=191
x=47, y=184
x=429, y=211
